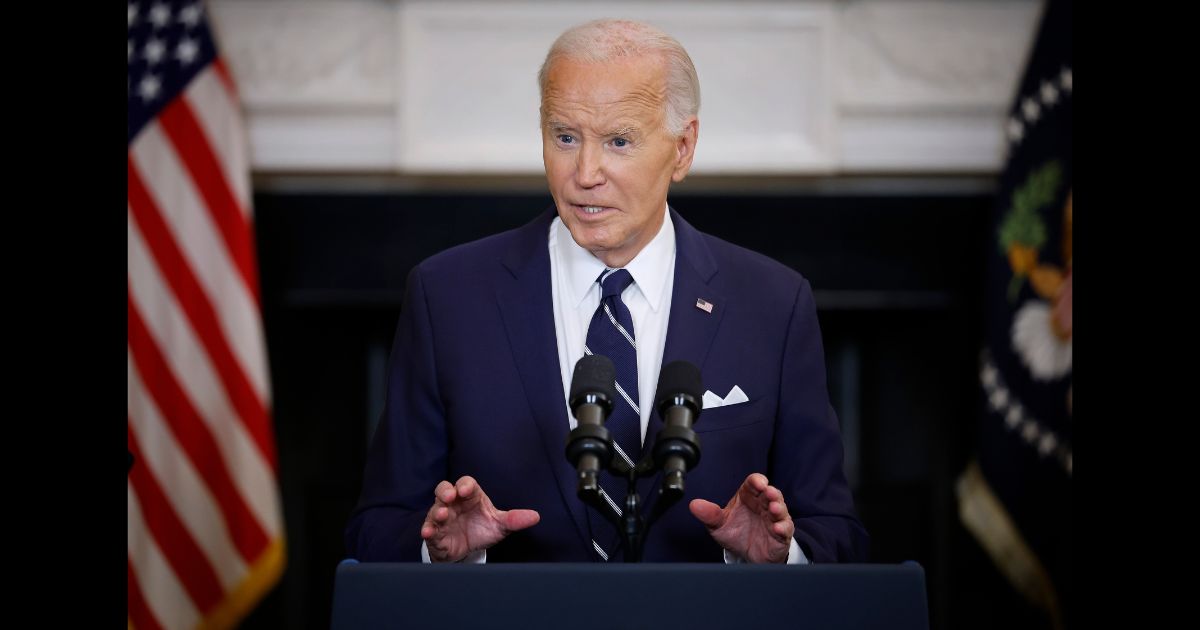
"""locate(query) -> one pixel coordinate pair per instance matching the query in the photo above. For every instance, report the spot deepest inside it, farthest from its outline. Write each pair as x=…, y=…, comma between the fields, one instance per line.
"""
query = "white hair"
x=604, y=40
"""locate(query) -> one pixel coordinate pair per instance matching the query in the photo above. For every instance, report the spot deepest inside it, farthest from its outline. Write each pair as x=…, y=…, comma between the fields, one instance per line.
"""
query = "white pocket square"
x=735, y=396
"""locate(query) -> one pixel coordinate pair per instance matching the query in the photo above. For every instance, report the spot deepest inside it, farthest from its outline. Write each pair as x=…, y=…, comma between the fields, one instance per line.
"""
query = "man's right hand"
x=463, y=520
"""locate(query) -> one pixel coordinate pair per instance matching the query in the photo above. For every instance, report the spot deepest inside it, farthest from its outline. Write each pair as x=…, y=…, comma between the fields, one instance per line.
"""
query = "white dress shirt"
x=573, y=274
x=576, y=296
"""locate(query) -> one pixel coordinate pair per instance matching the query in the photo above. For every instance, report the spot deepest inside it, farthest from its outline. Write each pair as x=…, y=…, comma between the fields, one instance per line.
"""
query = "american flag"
x=205, y=528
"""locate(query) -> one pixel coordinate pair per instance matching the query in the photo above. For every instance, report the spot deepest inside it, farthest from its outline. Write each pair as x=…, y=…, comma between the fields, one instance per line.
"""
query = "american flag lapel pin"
x=704, y=305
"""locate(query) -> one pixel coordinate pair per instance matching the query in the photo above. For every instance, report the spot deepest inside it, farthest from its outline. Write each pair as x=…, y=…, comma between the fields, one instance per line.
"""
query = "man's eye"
x=565, y=139
x=620, y=142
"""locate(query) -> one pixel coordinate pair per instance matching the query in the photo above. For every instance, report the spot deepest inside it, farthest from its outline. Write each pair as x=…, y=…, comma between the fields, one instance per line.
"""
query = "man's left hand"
x=755, y=524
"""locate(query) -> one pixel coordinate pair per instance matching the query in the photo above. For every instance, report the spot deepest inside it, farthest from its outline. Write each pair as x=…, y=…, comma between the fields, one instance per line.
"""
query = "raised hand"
x=755, y=524
x=463, y=520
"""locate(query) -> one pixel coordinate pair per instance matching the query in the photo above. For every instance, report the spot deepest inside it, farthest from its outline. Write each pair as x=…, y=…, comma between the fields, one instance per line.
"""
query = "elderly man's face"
x=609, y=160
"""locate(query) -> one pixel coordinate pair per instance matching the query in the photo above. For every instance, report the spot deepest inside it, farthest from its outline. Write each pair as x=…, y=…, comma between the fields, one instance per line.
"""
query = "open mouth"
x=591, y=210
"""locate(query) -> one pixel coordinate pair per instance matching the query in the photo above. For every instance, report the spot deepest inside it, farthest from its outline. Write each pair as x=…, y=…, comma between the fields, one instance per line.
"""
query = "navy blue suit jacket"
x=474, y=388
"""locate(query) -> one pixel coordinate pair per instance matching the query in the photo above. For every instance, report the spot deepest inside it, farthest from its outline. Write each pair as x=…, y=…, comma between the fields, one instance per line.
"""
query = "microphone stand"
x=630, y=521
x=590, y=446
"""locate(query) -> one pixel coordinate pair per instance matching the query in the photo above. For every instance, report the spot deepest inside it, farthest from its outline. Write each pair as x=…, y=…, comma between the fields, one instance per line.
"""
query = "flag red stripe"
x=194, y=437
x=140, y=615
x=186, y=558
x=200, y=312
x=226, y=78
x=180, y=125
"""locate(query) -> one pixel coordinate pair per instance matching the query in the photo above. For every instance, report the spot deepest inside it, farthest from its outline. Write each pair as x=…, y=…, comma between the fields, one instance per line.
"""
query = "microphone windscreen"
x=679, y=377
x=594, y=374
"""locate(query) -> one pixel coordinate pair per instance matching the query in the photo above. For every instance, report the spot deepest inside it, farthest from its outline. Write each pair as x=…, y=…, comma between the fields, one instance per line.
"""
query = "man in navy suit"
x=476, y=417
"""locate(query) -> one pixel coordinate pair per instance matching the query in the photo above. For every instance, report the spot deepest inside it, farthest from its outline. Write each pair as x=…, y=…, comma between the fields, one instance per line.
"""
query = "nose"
x=589, y=166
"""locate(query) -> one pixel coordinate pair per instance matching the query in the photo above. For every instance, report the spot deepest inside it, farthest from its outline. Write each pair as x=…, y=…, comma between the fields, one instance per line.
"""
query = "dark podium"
x=606, y=596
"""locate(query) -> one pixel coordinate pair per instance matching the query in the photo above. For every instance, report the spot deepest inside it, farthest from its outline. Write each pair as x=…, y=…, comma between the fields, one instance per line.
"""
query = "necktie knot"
x=614, y=283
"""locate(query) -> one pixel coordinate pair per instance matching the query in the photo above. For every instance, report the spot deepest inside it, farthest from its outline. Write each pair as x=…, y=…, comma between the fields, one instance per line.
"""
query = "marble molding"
x=820, y=87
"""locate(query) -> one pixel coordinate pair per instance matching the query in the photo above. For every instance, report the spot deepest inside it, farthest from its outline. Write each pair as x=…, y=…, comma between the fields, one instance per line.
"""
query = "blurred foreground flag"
x=205, y=530
x=1015, y=496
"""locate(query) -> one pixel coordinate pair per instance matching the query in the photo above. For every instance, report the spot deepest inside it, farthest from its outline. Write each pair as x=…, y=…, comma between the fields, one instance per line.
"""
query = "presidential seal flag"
x=205, y=527
x=1015, y=495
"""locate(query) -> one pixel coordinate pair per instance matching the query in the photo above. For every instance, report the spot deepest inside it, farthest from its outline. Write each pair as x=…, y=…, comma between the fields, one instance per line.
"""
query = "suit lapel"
x=526, y=306
x=690, y=330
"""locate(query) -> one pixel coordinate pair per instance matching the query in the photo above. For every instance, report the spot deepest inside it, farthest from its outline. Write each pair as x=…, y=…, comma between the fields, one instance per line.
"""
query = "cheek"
x=642, y=181
x=558, y=165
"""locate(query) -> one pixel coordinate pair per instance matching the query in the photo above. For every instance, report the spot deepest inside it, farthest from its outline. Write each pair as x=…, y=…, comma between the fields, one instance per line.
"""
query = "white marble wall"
x=815, y=87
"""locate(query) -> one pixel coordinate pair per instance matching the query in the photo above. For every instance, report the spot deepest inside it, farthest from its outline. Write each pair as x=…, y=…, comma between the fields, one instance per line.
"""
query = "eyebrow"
x=623, y=131
x=554, y=125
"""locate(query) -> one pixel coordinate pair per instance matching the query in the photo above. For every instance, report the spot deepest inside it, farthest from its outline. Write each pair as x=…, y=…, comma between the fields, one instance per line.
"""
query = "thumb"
x=707, y=512
x=516, y=520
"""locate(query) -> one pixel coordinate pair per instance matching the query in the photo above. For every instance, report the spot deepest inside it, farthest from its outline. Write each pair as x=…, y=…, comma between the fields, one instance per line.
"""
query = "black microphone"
x=589, y=444
x=676, y=447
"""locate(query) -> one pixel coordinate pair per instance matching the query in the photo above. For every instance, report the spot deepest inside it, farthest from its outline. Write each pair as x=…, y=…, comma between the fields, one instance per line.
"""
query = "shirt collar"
x=649, y=268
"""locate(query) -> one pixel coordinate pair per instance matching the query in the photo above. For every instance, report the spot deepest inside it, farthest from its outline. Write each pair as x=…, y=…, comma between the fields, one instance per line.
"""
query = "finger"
x=466, y=486
x=784, y=529
x=440, y=514
x=758, y=481
x=746, y=491
x=752, y=497
x=772, y=495
x=429, y=527
x=762, y=502
x=778, y=511
x=753, y=487
x=707, y=512
x=444, y=492
x=432, y=525
x=516, y=520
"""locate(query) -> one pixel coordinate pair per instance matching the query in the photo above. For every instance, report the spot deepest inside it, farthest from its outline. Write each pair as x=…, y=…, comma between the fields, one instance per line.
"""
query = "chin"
x=589, y=239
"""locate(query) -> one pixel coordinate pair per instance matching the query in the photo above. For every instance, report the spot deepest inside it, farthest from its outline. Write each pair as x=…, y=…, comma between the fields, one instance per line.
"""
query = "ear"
x=685, y=149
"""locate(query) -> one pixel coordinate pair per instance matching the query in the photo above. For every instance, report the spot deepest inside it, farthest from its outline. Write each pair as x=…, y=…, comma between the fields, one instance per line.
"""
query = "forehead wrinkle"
x=646, y=92
x=640, y=97
x=620, y=117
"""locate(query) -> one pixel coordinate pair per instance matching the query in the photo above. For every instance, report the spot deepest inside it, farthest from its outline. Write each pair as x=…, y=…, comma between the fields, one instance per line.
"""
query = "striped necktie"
x=611, y=334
